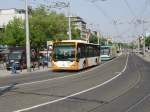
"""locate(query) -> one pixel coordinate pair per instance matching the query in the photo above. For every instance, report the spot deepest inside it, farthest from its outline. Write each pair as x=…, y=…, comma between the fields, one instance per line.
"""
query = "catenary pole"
x=69, y=21
x=27, y=38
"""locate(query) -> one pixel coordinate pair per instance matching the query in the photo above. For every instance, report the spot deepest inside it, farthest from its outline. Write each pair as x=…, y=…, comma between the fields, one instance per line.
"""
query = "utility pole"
x=69, y=21
x=138, y=44
x=27, y=38
x=98, y=34
x=98, y=37
x=143, y=37
x=144, y=44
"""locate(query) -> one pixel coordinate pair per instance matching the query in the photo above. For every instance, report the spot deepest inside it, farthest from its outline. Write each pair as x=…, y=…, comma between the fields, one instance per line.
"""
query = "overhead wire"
x=129, y=7
x=134, y=20
x=101, y=9
x=109, y=18
x=144, y=8
x=143, y=12
x=114, y=22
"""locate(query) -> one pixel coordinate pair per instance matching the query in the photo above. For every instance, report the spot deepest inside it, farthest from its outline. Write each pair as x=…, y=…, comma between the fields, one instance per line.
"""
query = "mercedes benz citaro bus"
x=74, y=55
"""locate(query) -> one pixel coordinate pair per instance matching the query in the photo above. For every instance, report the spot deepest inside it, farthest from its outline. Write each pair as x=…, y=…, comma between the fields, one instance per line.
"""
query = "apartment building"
x=81, y=25
x=7, y=15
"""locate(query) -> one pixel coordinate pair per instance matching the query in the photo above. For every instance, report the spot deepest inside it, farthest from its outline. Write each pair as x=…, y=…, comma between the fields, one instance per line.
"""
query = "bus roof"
x=106, y=46
x=79, y=41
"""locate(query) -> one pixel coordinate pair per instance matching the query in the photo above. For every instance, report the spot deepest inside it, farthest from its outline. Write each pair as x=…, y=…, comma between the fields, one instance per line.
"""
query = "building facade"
x=81, y=25
x=7, y=15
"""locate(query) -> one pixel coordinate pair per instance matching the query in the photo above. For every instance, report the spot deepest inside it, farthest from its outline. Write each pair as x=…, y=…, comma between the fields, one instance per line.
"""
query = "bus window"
x=81, y=51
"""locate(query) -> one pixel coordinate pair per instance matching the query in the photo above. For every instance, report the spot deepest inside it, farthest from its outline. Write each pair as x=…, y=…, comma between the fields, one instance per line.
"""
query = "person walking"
x=13, y=68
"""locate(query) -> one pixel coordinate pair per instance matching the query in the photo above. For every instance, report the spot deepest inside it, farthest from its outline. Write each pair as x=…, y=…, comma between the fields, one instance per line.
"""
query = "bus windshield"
x=64, y=52
x=105, y=51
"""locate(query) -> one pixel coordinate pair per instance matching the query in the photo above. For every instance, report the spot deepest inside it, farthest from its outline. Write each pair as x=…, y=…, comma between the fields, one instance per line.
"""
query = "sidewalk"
x=146, y=56
x=6, y=73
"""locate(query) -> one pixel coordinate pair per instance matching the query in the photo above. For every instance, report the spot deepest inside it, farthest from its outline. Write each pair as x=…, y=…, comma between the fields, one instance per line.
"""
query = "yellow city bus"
x=74, y=55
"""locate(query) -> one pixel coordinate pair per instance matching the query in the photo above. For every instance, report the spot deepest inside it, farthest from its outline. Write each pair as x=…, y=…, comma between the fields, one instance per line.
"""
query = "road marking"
x=81, y=92
x=67, y=75
x=3, y=87
x=117, y=72
x=6, y=88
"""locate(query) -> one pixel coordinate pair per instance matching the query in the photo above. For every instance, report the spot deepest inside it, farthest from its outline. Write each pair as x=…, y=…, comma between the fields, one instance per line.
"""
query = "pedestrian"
x=13, y=68
x=33, y=65
x=43, y=63
x=21, y=66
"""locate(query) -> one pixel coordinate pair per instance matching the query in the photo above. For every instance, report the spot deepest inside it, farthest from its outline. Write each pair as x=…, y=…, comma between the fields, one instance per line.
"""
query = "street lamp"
x=27, y=38
x=142, y=22
x=143, y=37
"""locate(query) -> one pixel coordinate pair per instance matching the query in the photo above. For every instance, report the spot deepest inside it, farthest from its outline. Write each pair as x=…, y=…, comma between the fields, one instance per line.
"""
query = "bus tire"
x=97, y=61
x=84, y=65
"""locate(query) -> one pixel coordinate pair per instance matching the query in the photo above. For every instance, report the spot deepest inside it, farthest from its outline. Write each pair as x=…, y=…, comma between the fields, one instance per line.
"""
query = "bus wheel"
x=96, y=61
x=84, y=65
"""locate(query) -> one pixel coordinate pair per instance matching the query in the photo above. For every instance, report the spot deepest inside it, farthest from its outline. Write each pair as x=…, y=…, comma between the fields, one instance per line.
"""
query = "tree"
x=103, y=41
x=1, y=38
x=76, y=33
x=46, y=26
x=147, y=42
x=93, y=38
x=14, y=34
x=43, y=25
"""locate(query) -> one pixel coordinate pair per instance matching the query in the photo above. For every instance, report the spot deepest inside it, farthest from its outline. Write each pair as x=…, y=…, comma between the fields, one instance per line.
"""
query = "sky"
x=113, y=18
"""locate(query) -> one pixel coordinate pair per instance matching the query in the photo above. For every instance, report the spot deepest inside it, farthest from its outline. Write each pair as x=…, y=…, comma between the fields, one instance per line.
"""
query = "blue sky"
x=113, y=18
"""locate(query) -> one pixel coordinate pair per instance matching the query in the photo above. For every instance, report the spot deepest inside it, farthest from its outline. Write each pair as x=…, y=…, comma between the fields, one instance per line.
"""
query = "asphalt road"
x=35, y=76
x=30, y=77
x=121, y=85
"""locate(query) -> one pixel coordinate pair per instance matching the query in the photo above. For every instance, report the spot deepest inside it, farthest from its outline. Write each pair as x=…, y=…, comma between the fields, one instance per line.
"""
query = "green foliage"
x=147, y=41
x=1, y=38
x=39, y=11
x=103, y=41
x=14, y=33
x=110, y=43
x=93, y=39
x=44, y=26
x=76, y=33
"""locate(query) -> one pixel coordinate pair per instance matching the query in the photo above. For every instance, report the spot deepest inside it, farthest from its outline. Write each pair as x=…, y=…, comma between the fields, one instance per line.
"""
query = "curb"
x=8, y=73
x=144, y=57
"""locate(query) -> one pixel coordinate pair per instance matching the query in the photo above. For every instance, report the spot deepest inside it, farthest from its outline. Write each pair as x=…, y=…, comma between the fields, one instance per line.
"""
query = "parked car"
x=17, y=56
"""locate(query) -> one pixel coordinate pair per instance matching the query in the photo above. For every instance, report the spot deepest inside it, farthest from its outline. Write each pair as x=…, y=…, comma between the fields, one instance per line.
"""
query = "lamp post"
x=27, y=38
x=143, y=37
x=138, y=44
x=142, y=22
